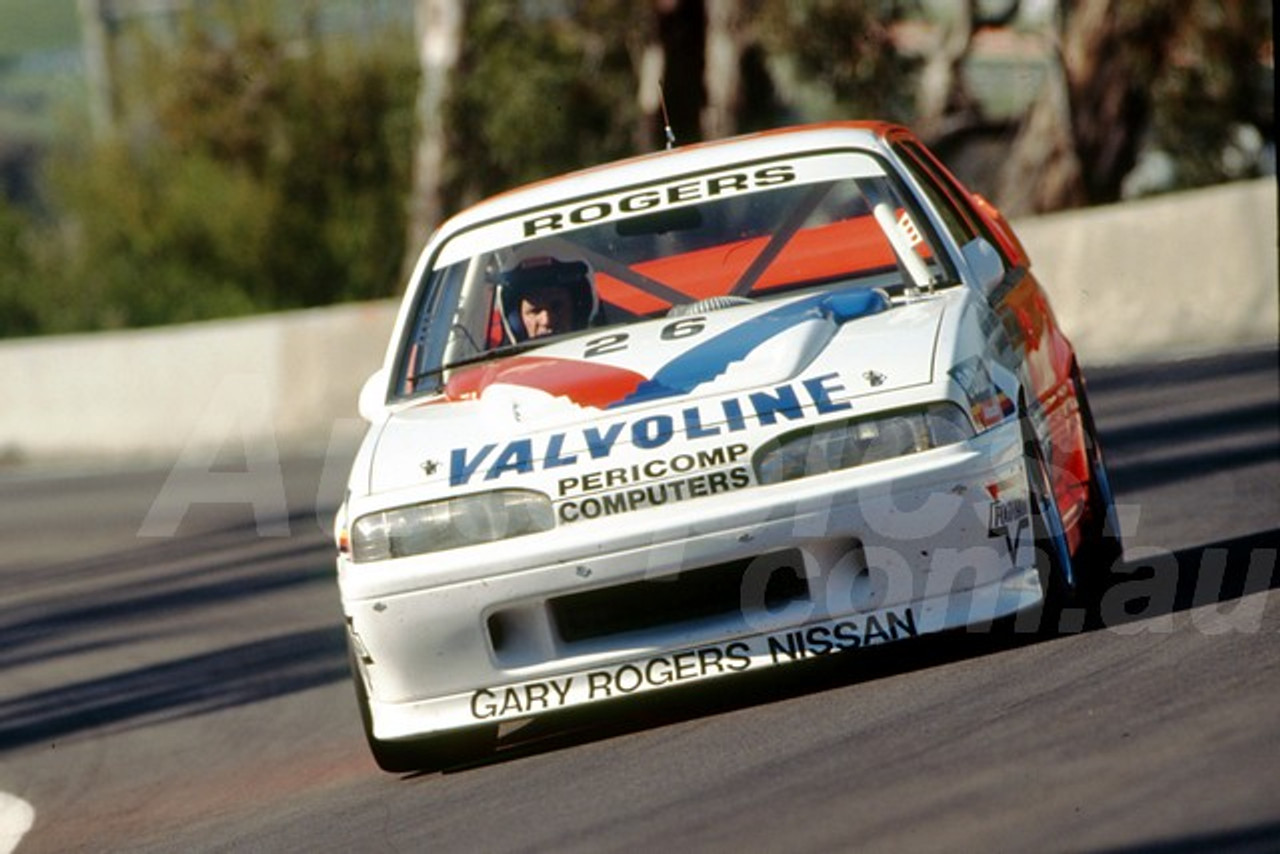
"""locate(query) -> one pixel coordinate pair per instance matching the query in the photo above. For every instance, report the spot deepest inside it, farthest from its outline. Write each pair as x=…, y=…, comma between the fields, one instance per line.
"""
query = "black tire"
x=432, y=753
x=1101, y=549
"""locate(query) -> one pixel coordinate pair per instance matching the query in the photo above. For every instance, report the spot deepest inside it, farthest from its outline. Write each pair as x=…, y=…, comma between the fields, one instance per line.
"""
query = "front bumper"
x=757, y=578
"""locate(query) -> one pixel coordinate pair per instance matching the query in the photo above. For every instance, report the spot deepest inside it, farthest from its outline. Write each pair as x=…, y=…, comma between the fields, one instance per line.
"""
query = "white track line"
x=16, y=818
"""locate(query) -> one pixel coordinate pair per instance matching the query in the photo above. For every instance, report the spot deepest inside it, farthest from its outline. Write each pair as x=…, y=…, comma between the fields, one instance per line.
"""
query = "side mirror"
x=1004, y=232
x=985, y=263
x=372, y=403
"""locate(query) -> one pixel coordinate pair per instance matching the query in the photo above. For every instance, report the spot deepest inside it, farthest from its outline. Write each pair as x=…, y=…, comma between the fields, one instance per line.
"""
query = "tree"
x=19, y=306
x=535, y=93
x=681, y=29
x=943, y=101
x=1215, y=96
x=250, y=170
x=845, y=52
x=706, y=59
x=1124, y=68
x=439, y=25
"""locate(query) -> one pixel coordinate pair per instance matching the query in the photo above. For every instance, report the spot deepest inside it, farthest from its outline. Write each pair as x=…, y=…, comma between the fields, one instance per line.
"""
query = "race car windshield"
x=743, y=234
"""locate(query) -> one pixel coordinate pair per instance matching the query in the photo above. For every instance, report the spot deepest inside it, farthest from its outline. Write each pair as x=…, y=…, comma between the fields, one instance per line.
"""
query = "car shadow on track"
x=1149, y=585
x=1152, y=583
x=95, y=638
x=1156, y=585
x=192, y=685
x=1249, y=840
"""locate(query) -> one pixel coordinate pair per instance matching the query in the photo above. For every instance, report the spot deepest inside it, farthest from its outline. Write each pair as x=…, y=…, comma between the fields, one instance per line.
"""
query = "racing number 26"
x=616, y=342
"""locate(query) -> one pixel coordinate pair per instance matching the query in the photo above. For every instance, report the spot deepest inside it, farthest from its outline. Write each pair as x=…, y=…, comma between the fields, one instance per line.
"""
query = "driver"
x=545, y=296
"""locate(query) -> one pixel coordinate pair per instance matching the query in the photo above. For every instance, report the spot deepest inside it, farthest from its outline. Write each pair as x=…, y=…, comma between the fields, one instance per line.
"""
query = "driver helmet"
x=529, y=276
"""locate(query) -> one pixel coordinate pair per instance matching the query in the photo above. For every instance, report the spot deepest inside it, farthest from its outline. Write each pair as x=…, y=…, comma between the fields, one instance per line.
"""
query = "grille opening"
x=713, y=591
x=497, y=632
x=786, y=584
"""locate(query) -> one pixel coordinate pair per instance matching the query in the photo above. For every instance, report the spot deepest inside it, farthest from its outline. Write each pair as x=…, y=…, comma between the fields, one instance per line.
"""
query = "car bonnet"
x=499, y=422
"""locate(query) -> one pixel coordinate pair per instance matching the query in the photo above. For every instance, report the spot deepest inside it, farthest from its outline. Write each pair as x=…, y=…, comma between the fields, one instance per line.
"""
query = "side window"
x=424, y=350
x=957, y=204
x=960, y=229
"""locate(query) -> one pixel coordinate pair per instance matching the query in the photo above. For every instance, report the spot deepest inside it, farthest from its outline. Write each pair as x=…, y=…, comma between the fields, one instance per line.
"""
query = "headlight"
x=845, y=444
x=450, y=524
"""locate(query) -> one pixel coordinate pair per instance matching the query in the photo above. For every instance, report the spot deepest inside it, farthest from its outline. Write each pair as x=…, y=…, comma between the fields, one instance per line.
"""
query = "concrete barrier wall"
x=1170, y=276
x=287, y=378
x=1177, y=275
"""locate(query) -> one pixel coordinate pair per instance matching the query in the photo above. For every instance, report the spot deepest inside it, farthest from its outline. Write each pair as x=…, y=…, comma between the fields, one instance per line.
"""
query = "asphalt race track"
x=173, y=678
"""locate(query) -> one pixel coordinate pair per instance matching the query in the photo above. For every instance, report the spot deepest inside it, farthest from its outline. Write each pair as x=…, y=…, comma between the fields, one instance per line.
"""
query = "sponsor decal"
x=788, y=402
x=670, y=195
x=1006, y=512
x=705, y=361
x=691, y=665
x=1010, y=517
x=604, y=479
x=841, y=635
x=653, y=197
x=706, y=355
x=655, y=495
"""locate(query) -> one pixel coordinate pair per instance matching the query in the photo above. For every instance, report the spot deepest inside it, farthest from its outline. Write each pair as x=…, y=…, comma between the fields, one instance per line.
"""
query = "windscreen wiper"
x=495, y=353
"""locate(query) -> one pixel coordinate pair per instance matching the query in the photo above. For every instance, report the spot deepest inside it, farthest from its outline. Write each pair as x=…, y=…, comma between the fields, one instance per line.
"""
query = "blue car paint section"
x=705, y=362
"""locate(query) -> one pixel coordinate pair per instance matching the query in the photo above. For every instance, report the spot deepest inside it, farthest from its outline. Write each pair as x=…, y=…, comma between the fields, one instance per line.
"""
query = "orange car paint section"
x=1048, y=357
x=587, y=384
x=845, y=248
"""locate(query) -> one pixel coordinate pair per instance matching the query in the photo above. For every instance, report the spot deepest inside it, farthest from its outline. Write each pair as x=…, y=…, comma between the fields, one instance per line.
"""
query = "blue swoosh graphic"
x=712, y=358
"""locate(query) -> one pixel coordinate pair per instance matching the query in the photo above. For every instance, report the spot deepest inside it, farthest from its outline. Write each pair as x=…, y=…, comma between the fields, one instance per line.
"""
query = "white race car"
x=701, y=413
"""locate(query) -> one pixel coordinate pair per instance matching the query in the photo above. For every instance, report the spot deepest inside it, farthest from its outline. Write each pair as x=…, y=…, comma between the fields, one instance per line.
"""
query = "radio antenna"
x=666, y=120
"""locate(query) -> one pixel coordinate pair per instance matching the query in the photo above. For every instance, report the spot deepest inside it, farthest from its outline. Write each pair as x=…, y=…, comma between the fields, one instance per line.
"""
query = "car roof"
x=646, y=168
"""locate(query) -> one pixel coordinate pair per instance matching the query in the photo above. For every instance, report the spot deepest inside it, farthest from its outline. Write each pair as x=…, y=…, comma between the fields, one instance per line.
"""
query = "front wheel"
x=432, y=753
x=1100, y=546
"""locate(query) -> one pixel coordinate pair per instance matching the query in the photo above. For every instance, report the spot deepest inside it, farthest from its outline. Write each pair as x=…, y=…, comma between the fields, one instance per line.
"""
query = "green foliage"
x=538, y=94
x=262, y=157
x=258, y=173
x=1212, y=85
x=19, y=303
x=158, y=238
x=845, y=49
